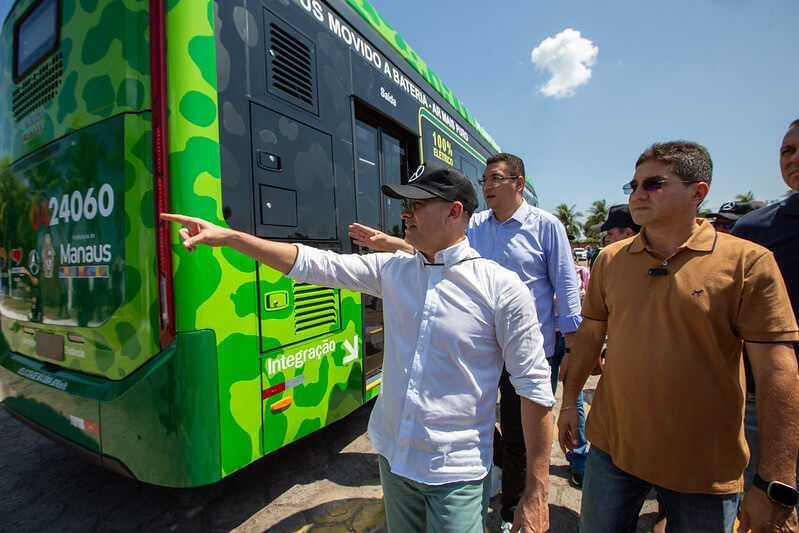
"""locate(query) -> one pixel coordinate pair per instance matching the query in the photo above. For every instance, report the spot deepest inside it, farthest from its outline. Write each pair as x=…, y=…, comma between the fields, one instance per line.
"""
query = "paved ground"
x=325, y=482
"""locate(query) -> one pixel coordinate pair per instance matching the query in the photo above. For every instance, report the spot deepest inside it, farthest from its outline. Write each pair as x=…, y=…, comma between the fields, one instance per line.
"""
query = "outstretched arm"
x=278, y=255
x=377, y=240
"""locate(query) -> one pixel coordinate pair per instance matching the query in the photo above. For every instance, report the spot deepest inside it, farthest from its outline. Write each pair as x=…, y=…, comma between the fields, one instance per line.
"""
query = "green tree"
x=748, y=197
x=568, y=216
x=597, y=214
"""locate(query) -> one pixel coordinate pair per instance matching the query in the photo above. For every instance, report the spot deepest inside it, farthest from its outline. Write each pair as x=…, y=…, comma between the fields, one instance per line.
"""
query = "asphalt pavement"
x=326, y=482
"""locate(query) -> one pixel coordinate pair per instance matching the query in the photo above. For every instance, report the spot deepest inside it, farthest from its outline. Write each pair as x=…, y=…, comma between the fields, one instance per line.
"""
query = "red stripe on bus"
x=277, y=389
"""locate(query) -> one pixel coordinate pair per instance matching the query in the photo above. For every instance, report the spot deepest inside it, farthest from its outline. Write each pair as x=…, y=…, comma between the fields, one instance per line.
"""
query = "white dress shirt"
x=448, y=328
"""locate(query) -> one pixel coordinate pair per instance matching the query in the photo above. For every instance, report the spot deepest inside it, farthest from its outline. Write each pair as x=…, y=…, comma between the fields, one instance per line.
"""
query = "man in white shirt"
x=452, y=319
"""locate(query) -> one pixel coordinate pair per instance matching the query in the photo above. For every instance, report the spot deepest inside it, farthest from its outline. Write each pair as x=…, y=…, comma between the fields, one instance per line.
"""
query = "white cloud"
x=568, y=57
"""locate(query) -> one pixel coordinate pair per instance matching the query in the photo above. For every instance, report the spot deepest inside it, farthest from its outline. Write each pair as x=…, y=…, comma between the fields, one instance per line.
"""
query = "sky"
x=578, y=89
x=611, y=78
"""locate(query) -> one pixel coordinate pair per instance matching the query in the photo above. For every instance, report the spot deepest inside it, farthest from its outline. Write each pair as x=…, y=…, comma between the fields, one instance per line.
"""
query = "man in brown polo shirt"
x=676, y=303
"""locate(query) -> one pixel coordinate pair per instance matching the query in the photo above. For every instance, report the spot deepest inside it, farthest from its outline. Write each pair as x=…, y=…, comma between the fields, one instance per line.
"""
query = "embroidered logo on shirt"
x=697, y=292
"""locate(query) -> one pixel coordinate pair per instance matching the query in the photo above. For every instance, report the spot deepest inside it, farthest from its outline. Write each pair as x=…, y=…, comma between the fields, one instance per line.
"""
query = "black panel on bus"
x=286, y=124
x=294, y=178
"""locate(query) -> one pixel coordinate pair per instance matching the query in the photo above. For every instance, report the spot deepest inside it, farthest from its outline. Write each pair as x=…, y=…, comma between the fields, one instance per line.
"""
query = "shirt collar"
x=520, y=215
x=452, y=255
x=703, y=239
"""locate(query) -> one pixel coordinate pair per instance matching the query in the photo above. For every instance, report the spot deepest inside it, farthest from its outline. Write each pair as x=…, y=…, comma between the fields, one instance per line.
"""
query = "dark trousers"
x=509, y=451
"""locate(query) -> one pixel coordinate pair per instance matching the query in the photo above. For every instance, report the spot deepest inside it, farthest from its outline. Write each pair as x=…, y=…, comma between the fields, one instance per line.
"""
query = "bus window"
x=471, y=170
x=368, y=175
x=395, y=166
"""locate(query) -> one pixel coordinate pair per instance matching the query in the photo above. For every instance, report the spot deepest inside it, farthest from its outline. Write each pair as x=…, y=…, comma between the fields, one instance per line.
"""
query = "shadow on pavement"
x=42, y=486
x=352, y=514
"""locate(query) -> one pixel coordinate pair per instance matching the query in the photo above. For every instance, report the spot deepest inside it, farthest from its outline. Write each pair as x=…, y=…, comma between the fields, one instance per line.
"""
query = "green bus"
x=278, y=118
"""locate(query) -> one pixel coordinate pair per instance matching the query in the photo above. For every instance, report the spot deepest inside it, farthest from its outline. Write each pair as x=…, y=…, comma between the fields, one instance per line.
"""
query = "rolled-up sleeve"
x=353, y=272
x=519, y=336
x=563, y=277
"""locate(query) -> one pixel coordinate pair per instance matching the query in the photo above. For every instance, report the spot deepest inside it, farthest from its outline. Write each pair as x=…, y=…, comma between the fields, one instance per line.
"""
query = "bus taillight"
x=163, y=245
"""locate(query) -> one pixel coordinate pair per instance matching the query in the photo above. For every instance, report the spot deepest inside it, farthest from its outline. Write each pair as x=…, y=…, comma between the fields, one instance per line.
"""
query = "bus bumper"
x=160, y=425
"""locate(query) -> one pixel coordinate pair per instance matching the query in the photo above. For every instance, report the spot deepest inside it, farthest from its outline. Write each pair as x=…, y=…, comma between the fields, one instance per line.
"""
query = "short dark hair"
x=794, y=123
x=689, y=160
x=515, y=163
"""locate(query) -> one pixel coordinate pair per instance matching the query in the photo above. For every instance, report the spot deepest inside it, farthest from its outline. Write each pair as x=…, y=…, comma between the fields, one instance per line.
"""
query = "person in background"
x=776, y=227
x=728, y=215
x=619, y=224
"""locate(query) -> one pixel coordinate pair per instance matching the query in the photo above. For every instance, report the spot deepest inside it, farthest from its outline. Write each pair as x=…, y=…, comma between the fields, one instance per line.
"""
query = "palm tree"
x=597, y=214
x=568, y=216
x=748, y=197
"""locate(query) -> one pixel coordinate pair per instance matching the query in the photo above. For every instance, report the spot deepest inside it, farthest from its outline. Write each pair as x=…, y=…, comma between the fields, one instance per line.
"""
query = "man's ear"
x=455, y=212
x=700, y=192
x=520, y=184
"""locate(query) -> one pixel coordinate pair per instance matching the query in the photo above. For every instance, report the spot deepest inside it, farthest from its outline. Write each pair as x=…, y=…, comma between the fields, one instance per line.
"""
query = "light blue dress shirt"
x=533, y=244
x=449, y=327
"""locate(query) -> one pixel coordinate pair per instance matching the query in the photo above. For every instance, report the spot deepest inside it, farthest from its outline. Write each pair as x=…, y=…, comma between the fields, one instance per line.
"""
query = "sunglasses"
x=493, y=180
x=727, y=224
x=652, y=184
x=409, y=204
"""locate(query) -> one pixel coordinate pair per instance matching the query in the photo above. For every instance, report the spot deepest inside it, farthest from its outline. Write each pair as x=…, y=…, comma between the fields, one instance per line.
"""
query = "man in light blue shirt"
x=533, y=244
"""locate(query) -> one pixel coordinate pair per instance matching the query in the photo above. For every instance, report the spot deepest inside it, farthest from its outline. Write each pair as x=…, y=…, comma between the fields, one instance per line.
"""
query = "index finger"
x=181, y=219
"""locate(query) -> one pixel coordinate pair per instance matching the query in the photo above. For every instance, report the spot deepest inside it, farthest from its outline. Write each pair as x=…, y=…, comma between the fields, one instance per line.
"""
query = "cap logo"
x=727, y=206
x=417, y=174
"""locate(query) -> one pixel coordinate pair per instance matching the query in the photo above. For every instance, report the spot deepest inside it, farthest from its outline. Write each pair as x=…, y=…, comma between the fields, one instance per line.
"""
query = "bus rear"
x=87, y=353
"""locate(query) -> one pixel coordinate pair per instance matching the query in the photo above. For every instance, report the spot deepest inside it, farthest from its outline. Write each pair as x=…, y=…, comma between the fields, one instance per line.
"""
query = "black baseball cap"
x=434, y=180
x=733, y=210
x=618, y=217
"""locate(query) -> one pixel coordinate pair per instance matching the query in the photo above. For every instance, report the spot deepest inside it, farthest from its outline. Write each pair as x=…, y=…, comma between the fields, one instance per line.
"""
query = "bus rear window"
x=36, y=36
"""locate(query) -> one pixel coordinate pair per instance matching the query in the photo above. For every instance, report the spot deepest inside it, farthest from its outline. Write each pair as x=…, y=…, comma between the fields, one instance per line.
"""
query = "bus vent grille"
x=291, y=67
x=38, y=88
x=314, y=307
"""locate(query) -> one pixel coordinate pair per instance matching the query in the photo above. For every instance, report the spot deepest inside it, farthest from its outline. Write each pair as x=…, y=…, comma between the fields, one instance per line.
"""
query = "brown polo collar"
x=701, y=240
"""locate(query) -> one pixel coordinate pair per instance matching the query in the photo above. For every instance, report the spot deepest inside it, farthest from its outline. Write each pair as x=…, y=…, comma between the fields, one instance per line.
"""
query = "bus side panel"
x=215, y=289
x=311, y=384
x=165, y=427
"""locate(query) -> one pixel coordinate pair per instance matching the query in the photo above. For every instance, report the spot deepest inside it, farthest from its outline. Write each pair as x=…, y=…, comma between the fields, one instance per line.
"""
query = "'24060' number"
x=73, y=207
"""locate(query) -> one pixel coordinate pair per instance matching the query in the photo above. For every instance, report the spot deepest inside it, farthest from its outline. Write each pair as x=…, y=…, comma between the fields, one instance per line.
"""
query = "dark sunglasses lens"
x=654, y=184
